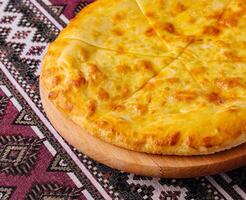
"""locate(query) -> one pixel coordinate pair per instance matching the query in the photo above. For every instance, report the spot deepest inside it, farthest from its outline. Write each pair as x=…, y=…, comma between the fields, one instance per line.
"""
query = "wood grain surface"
x=141, y=163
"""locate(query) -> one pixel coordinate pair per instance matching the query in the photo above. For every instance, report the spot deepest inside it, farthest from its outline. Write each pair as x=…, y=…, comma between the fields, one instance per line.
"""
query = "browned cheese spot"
x=170, y=140
x=123, y=68
x=84, y=55
x=167, y=89
x=142, y=108
x=191, y=142
x=102, y=124
x=118, y=32
x=150, y=86
x=231, y=18
x=233, y=132
x=91, y=107
x=150, y=32
x=149, y=99
x=120, y=49
x=233, y=109
x=53, y=95
x=215, y=97
x=208, y=141
x=92, y=68
x=198, y=70
x=173, y=80
x=150, y=15
x=56, y=80
x=192, y=20
x=190, y=38
x=118, y=17
x=105, y=125
x=238, y=132
x=95, y=34
x=163, y=103
x=169, y=27
x=79, y=81
x=186, y=95
x=229, y=22
x=160, y=4
x=66, y=106
x=215, y=15
x=233, y=57
x=144, y=65
x=222, y=44
x=95, y=75
x=228, y=82
x=211, y=30
x=125, y=92
x=117, y=107
x=178, y=8
x=103, y=94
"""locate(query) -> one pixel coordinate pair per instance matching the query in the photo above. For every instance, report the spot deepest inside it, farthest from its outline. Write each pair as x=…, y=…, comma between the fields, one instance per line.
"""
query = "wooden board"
x=141, y=163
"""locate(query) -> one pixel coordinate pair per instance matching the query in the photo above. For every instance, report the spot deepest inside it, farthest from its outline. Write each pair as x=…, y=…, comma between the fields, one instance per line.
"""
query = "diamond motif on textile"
x=11, y=6
x=7, y=19
x=4, y=100
x=159, y=191
x=57, y=9
x=4, y=32
x=24, y=22
x=170, y=195
x=18, y=154
x=6, y=192
x=59, y=165
x=32, y=31
x=21, y=34
x=23, y=119
x=43, y=35
x=30, y=73
x=16, y=47
x=35, y=50
x=53, y=192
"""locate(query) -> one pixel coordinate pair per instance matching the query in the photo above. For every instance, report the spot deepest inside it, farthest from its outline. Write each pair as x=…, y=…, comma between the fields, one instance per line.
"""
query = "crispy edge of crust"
x=169, y=146
x=181, y=149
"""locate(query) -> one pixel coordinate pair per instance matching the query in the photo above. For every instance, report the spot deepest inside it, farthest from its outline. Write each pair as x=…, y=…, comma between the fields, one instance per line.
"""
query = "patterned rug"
x=35, y=162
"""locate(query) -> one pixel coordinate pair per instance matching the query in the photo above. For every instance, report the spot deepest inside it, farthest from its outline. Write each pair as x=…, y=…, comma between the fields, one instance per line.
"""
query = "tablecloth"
x=35, y=162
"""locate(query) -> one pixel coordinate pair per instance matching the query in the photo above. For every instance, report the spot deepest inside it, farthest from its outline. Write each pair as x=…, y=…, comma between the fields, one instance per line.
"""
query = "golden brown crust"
x=189, y=100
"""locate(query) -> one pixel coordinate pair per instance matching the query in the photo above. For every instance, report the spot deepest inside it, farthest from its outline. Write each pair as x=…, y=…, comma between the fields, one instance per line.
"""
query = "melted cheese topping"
x=116, y=25
x=75, y=70
x=183, y=21
x=164, y=77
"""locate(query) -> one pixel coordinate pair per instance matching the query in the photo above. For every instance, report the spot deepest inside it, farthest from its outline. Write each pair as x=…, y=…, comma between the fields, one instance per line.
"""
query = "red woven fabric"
x=35, y=162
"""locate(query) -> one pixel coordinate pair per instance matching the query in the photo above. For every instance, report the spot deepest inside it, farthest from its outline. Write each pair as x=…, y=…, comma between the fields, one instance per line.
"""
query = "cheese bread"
x=161, y=76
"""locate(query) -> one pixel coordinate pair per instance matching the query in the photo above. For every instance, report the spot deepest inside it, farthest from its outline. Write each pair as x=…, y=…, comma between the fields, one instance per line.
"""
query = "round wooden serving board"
x=141, y=163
